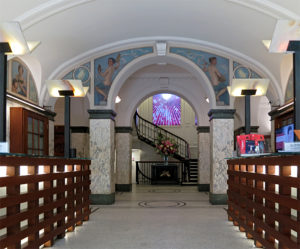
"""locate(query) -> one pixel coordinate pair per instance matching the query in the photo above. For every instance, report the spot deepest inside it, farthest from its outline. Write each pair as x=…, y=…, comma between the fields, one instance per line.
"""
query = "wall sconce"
x=118, y=100
x=247, y=88
x=12, y=40
x=66, y=89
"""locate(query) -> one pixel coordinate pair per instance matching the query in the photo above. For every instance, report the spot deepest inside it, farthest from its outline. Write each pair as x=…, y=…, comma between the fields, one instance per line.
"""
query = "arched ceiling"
x=69, y=28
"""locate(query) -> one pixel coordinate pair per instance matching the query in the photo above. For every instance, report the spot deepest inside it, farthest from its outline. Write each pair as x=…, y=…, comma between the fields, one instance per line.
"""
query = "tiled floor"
x=162, y=217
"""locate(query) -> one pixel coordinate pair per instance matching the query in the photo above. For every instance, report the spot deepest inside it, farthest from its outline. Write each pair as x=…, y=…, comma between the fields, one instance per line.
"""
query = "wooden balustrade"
x=264, y=199
x=41, y=199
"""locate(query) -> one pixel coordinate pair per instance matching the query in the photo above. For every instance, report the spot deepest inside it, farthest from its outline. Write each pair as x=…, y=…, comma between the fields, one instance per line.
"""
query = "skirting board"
x=123, y=187
x=102, y=199
x=203, y=187
x=218, y=199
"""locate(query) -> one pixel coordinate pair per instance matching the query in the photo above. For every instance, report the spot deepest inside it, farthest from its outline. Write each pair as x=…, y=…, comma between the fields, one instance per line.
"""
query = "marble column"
x=124, y=165
x=102, y=153
x=221, y=146
x=203, y=158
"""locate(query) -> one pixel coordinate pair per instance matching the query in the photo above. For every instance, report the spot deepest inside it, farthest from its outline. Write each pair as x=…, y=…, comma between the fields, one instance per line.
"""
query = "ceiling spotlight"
x=118, y=100
x=207, y=100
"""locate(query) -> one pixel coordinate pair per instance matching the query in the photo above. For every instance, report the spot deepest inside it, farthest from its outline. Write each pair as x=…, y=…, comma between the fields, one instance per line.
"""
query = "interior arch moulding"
x=126, y=113
x=205, y=46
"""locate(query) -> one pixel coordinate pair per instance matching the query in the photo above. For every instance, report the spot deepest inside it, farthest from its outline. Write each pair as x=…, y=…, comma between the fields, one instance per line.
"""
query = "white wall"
x=260, y=108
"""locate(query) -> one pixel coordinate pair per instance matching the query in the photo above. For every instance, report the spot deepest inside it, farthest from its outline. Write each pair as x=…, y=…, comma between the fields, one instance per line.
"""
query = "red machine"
x=250, y=144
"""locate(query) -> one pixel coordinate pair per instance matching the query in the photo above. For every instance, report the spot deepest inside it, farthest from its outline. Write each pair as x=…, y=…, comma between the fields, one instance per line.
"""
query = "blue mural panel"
x=83, y=73
x=242, y=72
x=107, y=67
x=215, y=67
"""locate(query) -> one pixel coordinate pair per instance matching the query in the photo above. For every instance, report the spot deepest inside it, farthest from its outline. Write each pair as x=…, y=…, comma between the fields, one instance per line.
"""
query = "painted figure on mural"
x=19, y=84
x=113, y=65
x=217, y=79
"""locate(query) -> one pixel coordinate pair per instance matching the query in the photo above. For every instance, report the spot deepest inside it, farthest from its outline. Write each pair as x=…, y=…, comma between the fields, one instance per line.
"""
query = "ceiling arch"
x=90, y=24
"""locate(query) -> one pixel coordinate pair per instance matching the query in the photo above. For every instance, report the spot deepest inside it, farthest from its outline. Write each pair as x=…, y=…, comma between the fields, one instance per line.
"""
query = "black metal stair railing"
x=148, y=132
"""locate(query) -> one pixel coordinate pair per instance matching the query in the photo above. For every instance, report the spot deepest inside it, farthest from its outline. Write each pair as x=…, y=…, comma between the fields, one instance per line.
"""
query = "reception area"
x=174, y=123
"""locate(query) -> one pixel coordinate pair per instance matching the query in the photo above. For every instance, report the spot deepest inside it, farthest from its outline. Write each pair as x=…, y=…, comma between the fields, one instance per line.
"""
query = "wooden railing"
x=41, y=199
x=264, y=199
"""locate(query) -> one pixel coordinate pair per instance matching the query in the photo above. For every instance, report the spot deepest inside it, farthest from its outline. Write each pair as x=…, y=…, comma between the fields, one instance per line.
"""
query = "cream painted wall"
x=260, y=108
x=79, y=114
x=187, y=129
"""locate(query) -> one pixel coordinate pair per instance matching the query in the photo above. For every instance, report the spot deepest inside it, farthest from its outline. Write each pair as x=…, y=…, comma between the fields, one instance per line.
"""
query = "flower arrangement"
x=165, y=146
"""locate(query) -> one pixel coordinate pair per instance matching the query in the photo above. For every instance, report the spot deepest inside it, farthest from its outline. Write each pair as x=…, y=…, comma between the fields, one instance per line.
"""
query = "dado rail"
x=41, y=198
x=264, y=199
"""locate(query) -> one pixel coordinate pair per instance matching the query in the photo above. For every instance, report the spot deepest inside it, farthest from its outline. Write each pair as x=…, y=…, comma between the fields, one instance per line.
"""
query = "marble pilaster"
x=221, y=146
x=203, y=158
x=102, y=153
x=123, y=159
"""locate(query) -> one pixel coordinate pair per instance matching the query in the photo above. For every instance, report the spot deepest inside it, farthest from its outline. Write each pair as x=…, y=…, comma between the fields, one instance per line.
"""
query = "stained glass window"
x=166, y=109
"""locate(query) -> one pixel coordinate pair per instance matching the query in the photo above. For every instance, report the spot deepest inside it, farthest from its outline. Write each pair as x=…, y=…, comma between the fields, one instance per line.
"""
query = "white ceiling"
x=69, y=28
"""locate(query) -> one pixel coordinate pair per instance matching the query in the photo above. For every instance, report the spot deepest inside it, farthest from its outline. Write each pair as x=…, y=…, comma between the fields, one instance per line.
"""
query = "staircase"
x=148, y=133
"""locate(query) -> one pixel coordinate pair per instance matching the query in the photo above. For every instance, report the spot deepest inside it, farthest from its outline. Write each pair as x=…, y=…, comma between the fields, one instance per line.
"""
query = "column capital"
x=102, y=114
x=221, y=114
x=123, y=129
x=203, y=129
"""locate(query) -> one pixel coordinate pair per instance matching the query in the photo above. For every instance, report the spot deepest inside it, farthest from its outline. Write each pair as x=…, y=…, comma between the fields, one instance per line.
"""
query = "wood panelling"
x=56, y=193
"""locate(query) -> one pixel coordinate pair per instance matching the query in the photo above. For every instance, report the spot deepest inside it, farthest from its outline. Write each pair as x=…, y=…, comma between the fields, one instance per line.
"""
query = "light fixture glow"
x=118, y=100
x=260, y=85
x=266, y=43
x=166, y=96
x=207, y=100
x=12, y=33
x=54, y=86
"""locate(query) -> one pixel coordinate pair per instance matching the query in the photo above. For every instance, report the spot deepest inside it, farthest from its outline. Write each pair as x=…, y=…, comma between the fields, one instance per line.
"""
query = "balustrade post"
x=270, y=187
x=236, y=191
x=79, y=194
x=13, y=190
x=249, y=196
x=33, y=205
x=48, y=169
x=243, y=194
x=61, y=195
x=70, y=196
x=86, y=191
x=284, y=191
x=259, y=169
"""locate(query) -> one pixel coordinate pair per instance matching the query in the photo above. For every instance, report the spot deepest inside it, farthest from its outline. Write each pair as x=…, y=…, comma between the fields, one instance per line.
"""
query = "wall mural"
x=83, y=73
x=107, y=67
x=166, y=109
x=289, y=92
x=215, y=67
x=20, y=81
x=243, y=72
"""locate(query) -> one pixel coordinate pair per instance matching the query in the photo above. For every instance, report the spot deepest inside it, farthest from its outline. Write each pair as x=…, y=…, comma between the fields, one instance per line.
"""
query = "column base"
x=102, y=199
x=218, y=199
x=203, y=187
x=123, y=187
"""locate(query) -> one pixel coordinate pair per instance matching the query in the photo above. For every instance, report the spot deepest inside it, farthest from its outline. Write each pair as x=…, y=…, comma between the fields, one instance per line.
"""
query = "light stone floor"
x=160, y=217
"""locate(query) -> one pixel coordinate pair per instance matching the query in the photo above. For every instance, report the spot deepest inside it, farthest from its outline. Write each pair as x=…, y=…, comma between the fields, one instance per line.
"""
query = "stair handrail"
x=166, y=131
